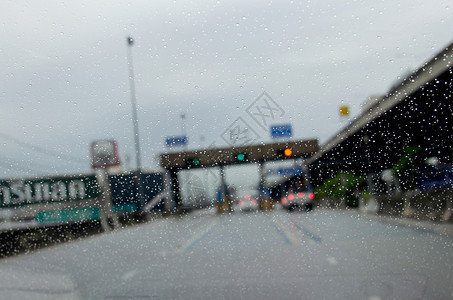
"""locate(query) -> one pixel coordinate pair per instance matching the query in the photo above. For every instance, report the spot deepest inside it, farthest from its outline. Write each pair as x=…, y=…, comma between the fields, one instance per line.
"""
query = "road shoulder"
x=442, y=228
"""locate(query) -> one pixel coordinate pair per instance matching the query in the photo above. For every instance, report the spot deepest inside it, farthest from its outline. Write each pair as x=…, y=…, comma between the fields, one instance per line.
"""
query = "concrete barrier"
x=329, y=203
x=435, y=205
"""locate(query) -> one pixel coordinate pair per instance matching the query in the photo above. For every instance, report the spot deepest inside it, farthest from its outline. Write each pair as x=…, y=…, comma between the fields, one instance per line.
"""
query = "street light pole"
x=130, y=43
x=183, y=128
x=366, y=141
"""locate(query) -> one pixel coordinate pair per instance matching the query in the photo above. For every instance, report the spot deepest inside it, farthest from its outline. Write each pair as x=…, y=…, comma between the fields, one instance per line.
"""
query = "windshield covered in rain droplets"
x=226, y=150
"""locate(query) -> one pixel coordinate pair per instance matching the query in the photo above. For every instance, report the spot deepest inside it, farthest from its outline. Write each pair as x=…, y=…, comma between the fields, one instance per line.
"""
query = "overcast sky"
x=64, y=71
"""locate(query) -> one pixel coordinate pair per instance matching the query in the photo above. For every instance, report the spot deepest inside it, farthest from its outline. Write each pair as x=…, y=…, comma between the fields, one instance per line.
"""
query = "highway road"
x=324, y=254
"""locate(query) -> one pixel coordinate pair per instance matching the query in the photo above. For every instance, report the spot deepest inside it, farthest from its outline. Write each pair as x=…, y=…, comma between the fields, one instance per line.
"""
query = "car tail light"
x=247, y=198
x=291, y=197
x=300, y=195
x=241, y=202
x=254, y=201
x=311, y=196
x=284, y=200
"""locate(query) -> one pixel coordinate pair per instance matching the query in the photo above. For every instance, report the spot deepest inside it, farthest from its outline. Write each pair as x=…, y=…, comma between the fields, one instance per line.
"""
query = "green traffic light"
x=240, y=157
x=196, y=161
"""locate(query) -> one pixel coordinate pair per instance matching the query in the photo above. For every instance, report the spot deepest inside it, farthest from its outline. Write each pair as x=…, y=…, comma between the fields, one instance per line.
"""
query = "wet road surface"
x=324, y=254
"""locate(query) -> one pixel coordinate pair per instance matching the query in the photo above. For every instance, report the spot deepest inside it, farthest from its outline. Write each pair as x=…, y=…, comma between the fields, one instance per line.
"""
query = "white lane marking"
x=128, y=275
x=292, y=237
x=187, y=244
x=332, y=260
x=292, y=230
x=303, y=236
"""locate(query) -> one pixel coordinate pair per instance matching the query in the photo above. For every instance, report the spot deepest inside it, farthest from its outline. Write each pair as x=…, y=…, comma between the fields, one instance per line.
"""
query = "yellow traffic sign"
x=344, y=110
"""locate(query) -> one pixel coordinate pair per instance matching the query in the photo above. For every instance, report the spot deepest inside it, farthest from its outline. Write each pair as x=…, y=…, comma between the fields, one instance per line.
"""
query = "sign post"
x=104, y=154
x=105, y=203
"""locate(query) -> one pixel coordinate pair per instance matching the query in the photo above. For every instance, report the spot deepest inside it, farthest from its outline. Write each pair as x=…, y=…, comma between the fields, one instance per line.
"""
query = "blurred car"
x=247, y=200
x=297, y=193
x=301, y=199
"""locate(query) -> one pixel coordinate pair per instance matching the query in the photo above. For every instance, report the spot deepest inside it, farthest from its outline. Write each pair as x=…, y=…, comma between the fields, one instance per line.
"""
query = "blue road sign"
x=173, y=141
x=281, y=131
x=285, y=171
x=290, y=171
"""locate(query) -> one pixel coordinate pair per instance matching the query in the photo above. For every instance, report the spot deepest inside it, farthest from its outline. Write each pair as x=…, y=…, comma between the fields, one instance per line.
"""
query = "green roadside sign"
x=78, y=214
x=19, y=192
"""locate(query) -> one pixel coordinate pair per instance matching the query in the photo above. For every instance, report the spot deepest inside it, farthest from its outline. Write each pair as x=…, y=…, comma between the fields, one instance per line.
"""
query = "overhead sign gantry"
x=220, y=157
x=237, y=155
